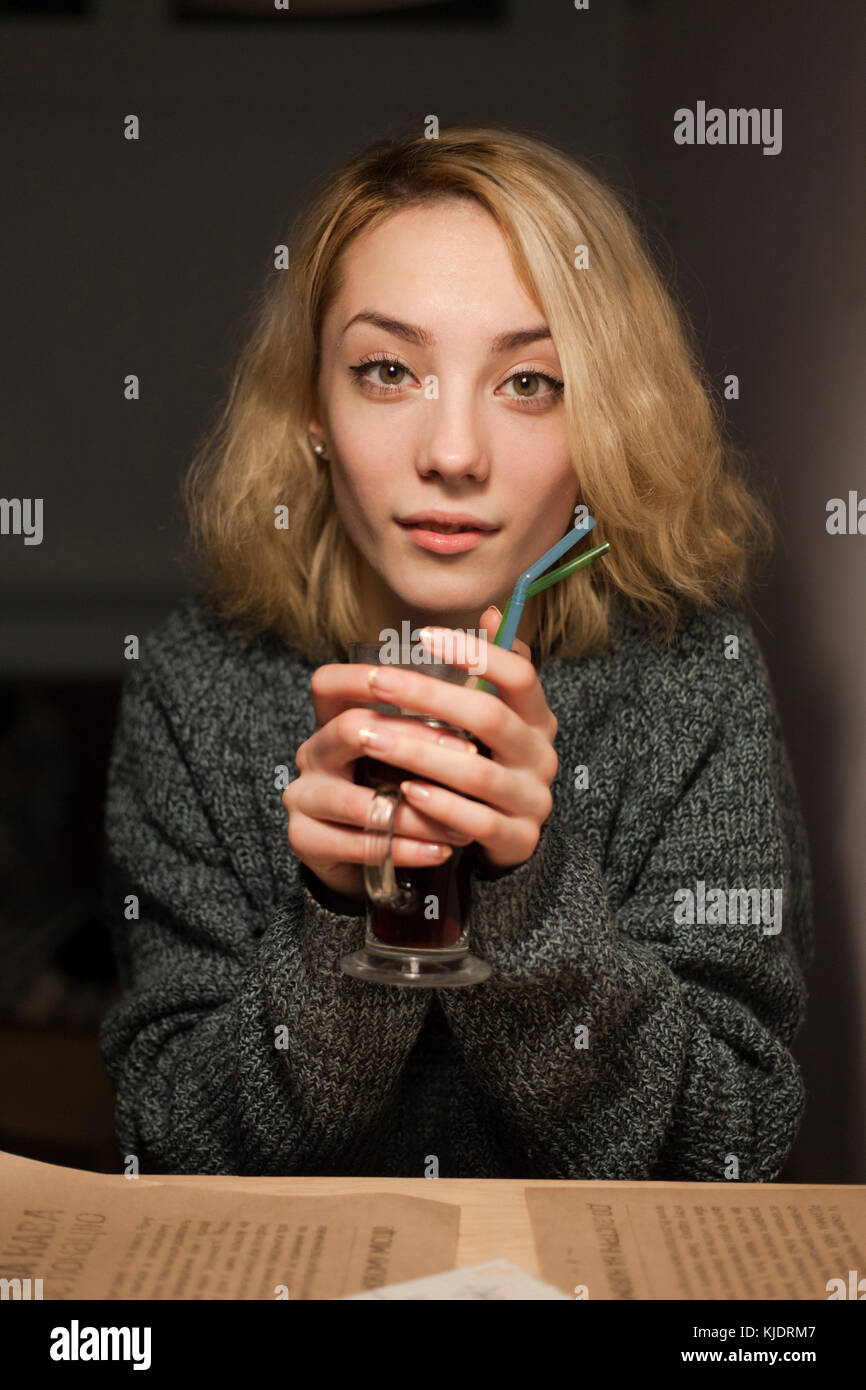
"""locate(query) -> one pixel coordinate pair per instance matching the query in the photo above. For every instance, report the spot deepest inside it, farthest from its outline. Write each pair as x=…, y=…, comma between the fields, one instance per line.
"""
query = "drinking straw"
x=533, y=580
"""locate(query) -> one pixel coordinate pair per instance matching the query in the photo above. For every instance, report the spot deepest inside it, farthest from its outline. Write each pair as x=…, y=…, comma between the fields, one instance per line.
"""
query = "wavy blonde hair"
x=666, y=489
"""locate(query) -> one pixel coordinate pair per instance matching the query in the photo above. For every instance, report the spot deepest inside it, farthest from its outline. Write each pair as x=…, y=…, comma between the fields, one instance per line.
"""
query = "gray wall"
x=143, y=257
x=770, y=250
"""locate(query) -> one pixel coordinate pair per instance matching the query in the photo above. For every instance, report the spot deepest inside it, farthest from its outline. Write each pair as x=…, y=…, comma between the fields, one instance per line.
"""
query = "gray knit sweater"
x=615, y=1038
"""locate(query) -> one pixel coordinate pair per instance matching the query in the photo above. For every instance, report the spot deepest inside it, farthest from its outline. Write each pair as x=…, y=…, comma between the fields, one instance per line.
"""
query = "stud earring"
x=319, y=449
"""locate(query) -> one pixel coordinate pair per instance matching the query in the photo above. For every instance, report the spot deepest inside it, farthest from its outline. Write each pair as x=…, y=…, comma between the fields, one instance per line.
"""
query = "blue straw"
x=514, y=609
x=518, y=598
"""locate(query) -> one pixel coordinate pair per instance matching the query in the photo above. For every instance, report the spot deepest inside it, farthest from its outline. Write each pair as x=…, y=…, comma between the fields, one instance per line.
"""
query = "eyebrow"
x=410, y=333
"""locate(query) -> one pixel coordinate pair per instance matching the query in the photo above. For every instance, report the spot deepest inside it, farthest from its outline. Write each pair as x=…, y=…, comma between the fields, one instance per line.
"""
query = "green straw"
x=544, y=581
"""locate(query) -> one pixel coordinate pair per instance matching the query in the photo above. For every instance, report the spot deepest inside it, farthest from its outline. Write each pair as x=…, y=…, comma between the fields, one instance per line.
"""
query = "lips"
x=433, y=536
x=447, y=523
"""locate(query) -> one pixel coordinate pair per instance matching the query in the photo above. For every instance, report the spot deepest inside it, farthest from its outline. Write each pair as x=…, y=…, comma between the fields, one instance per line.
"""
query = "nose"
x=455, y=446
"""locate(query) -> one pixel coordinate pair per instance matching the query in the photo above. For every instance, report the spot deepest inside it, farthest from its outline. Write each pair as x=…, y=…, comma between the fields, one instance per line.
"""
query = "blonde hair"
x=665, y=487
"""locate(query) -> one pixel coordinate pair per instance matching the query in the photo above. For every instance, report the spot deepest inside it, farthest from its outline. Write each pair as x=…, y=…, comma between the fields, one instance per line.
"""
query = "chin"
x=438, y=597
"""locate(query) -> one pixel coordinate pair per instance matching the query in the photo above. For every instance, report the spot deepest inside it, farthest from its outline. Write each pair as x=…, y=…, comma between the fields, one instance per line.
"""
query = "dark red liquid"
x=447, y=882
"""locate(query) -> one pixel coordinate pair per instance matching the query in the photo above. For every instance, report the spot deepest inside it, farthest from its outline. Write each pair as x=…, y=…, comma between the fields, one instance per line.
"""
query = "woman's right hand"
x=328, y=811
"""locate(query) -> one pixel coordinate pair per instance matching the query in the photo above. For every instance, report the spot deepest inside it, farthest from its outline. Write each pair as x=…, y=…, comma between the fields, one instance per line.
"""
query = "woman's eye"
x=390, y=374
x=528, y=388
x=382, y=375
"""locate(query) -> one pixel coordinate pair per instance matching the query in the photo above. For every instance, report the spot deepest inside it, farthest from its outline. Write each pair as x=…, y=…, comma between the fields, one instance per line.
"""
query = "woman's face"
x=422, y=409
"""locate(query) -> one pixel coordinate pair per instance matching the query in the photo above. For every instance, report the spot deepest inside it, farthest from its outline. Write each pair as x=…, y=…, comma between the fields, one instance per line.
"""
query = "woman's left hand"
x=510, y=791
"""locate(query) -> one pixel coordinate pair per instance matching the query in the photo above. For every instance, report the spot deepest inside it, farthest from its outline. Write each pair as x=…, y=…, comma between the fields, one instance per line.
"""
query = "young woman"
x=470, y=331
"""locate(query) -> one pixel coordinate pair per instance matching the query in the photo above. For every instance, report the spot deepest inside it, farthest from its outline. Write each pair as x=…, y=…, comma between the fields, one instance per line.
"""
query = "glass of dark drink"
x=417, y=917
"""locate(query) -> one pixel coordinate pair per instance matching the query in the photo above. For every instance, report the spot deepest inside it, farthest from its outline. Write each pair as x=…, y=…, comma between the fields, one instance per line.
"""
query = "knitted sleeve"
x=643, y=1031
x=237, y=1044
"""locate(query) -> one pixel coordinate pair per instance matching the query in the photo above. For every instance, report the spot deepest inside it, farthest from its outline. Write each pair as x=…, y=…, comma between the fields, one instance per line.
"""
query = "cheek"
x=544, y=507
x=536, y=483
x=360, y=423
x=365, y=478
x=367, y=450
x=361, y=486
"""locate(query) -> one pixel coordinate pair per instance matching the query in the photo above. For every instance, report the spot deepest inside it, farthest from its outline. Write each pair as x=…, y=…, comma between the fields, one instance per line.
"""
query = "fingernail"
x=385, y=680
x=374, y=739
x=452, y=741
x=435, y=851
x=415, y=791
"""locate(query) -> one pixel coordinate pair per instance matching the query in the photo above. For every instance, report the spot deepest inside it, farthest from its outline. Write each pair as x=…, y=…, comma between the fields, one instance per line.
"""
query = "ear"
x=315, y=421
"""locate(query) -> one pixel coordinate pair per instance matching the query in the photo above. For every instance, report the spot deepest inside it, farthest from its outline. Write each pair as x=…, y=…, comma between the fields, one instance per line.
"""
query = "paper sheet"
x=105, y=1236
x=493, y=1281
x=699, y=1240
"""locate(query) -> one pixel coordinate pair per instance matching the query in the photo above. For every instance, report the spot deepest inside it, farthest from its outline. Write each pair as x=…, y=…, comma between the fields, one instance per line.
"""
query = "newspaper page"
x=701, y=1240
x=67, y=1234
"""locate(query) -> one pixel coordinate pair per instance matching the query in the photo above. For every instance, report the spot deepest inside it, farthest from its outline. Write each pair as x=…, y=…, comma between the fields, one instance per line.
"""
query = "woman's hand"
x=328, y=812
x=506, y=798
x=501, y=801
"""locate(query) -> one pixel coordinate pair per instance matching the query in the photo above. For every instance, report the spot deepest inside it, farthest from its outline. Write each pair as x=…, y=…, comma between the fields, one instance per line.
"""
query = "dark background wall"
x=144, y=256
